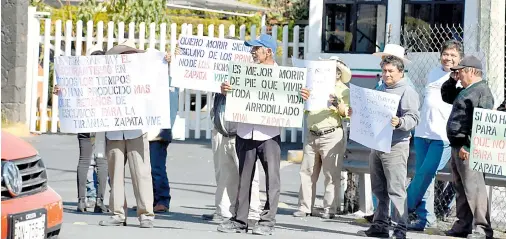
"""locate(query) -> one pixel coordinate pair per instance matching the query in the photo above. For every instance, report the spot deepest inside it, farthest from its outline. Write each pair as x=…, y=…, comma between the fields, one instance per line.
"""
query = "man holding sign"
x=389, y=170
x=472, y=211
x=254, y=141
x=324, y=148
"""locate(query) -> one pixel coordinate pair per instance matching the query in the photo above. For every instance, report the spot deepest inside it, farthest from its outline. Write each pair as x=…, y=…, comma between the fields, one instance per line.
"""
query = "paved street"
x=190, y=170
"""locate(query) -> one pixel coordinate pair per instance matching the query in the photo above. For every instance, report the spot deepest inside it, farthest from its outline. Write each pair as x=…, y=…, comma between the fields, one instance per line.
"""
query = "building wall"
x=14, y=59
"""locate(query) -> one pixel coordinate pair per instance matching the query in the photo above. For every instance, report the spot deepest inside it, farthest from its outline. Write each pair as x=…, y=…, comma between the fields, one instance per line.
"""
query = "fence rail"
x=69, y=38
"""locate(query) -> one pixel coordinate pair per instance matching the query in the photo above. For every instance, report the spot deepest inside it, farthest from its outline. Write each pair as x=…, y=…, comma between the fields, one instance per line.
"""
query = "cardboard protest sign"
x=488, y=142
x=372, y=113
x=203, y=62
x=321, y=80
x=113, y=92
x=265, y=95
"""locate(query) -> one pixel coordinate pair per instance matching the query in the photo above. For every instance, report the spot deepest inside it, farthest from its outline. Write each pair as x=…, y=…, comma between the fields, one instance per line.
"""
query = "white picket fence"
x=73, y=39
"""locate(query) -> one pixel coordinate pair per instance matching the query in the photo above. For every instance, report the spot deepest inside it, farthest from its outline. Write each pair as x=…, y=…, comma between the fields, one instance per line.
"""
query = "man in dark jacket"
x=469, y=184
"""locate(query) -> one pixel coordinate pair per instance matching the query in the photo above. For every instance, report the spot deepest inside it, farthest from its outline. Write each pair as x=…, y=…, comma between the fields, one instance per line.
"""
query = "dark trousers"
x=472, y=198
x=85, y=156
x=161, y=188
x=269, y=153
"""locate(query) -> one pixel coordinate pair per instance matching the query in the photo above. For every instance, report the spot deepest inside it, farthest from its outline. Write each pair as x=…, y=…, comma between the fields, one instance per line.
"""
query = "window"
x=354, y=26
x=424, y=13
x=429, y=23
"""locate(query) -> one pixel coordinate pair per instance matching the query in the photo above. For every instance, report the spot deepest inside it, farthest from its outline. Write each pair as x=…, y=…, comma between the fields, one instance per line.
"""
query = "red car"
x=30, y=208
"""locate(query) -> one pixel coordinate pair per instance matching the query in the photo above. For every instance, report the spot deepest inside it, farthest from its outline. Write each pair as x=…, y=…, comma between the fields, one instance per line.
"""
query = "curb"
x=295, y=156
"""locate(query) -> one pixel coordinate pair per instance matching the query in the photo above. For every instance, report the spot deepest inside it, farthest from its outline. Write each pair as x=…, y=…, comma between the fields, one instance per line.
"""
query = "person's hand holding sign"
x=225, y=87
x=168, y=56
x=304, y=92
x=395, y=122
x=463, y=154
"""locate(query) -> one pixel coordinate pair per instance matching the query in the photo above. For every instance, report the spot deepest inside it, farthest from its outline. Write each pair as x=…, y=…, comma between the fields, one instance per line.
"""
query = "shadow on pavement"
x=310, y=229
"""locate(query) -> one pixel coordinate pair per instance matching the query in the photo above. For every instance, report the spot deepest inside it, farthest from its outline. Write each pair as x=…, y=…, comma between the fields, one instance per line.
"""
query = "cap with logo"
x=468, y=61
x=265, y=41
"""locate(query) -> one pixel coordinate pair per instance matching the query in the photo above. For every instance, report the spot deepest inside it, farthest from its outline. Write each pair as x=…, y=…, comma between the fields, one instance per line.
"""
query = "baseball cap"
x=265, y=41
x=468, y=61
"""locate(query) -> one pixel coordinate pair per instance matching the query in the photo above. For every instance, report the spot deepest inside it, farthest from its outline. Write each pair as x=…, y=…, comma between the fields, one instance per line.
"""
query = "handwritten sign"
x=372, y=113
x=321, y=80
x=265, y=95
x=203, y=62
x=488, y=142
x=113, y=92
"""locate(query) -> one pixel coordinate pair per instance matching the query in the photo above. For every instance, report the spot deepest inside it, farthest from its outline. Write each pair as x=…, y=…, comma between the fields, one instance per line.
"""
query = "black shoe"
x=398, y=235
x=375, y=231
x=112, y=221
x=452, y=233
x=100, y=207
x=81, y=205
x=232, y=226
x=369, y=218
x=264, y=230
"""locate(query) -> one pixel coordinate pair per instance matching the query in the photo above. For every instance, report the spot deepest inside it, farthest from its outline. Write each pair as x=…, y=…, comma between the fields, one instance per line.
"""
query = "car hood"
x=15, y=148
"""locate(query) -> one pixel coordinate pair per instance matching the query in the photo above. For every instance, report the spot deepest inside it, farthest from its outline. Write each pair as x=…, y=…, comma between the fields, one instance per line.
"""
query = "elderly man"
x=472, y=211
x=252, y=142
x=389, y=170
x=131, y=146
x=324, y=149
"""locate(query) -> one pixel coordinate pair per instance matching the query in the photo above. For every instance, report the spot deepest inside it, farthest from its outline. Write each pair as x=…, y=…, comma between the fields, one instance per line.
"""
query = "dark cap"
x=468, y=61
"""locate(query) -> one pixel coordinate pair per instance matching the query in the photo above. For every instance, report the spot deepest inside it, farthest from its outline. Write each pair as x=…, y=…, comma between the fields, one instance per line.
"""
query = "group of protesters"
x=440, y=124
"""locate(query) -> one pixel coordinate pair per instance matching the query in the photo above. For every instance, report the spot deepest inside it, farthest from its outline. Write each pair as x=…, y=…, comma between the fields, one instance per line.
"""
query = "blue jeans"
x=431, y=156
x=91, y=183
x=158, y=158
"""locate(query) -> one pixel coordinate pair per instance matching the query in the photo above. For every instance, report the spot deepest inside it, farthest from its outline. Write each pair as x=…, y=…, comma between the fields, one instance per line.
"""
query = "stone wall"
x=14, y=59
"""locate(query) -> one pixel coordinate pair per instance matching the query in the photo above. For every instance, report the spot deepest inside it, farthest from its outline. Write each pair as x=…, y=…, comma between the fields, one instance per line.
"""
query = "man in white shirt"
x=252, y=142
x=131, y=146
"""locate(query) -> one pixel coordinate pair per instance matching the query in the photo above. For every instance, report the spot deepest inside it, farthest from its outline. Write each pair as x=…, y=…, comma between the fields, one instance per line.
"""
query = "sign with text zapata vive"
x=488, y=142
x=112, y=92
x=203, y=62
x=265, y=95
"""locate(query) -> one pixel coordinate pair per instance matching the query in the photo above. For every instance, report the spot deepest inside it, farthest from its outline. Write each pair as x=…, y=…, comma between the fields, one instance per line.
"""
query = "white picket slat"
x=34, y=51
x=45, y=85
x=110, y=35
x=152, y=35
x=295, y=53
x=187, y=93
x=121, y=32
x=79, y=38
x=100, y=34
x=142, y=35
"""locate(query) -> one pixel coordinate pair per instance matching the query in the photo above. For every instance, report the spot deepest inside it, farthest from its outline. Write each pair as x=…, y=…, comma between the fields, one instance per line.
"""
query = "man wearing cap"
x=226, y=166
x=131, y=146
x=324, y=149
x=389, y=170
x=472, y=211
x=260, y=141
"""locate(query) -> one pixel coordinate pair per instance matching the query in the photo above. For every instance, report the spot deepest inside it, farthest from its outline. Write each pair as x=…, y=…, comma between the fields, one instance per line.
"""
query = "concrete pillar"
x=394, y=14
x=315, y=26
x=14, y=60
x=492, y=21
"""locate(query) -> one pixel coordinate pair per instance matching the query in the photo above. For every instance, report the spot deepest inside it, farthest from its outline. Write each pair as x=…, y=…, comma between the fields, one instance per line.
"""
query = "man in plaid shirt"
x=472, y=211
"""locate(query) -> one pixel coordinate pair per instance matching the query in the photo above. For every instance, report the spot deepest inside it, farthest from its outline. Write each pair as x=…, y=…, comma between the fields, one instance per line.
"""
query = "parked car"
x=30, y=208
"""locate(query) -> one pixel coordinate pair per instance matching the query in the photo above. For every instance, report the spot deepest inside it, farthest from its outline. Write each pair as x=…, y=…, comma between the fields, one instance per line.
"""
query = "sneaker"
x=146, y=224
x=215, y=217
x=232, y=226
x=90, y=203
x=81, y=205
x=264, y=230
x=252, y=223
x=300, y=214
x=100, y=206
x=327, y=215
x=418, y=225
x=375, y=231
x=112, y=221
